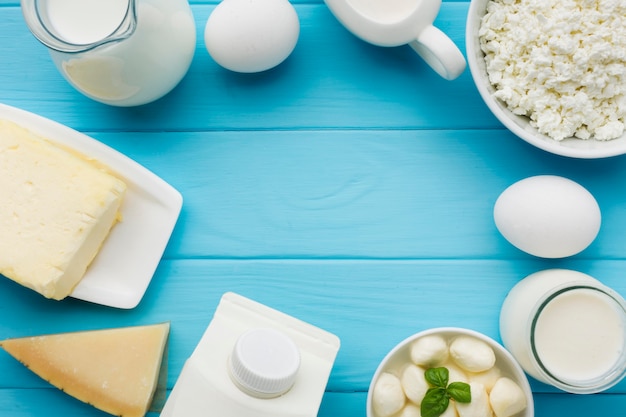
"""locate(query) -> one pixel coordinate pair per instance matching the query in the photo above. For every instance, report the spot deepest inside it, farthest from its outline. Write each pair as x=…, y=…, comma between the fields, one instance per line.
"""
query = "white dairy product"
x=598, y=338
x=429, y=350
x=85, y=21
x=399, y=385
x=479, y=406
x=213, y=380
x=411, y=410
x=471, y=354
x=414, y=383
x=566, y=329
x=57, y=209
x=506, y=398
x=562, y=63
x=136, y=70
x=388, y=397
x=388, y=11
x=456, y=373
x=488, y=378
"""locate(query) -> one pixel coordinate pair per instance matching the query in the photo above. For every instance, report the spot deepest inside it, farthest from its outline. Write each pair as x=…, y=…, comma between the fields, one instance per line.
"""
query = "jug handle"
x=438, y=50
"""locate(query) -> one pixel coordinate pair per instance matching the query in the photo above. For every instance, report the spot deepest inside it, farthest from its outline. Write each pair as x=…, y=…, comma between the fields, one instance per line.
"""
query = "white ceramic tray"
x=121, y=272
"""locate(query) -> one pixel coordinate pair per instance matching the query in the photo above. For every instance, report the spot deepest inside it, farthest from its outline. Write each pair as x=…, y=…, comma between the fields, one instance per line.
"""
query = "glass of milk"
x=566, y=329
x=117, y=52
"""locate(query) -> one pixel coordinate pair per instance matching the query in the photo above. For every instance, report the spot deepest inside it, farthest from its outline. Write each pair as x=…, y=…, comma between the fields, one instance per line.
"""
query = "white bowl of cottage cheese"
x=553, y=71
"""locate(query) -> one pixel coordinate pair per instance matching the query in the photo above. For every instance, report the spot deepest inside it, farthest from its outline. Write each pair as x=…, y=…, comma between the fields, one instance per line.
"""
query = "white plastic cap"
x=264, y=362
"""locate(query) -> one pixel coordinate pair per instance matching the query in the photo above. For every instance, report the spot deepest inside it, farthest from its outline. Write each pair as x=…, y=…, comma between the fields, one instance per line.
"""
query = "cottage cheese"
x=562, y=63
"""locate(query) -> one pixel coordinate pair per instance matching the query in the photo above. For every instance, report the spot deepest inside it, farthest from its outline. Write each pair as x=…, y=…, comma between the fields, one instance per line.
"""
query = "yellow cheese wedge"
x=56, y=210
x=115, y=370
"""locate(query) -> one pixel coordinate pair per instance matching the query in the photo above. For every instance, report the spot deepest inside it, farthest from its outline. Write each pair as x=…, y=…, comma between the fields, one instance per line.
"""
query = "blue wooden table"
x=350, y=187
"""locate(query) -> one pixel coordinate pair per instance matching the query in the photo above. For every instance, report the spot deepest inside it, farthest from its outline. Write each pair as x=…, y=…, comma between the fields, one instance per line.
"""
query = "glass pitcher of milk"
x=117, y=52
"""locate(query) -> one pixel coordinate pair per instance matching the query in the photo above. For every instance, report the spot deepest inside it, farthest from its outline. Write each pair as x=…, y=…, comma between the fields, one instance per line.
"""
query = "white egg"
x=548, y=216
x=251, y=35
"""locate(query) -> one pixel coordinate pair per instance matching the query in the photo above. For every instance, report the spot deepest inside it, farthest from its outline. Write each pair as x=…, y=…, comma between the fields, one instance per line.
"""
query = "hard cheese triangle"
x=115, y=370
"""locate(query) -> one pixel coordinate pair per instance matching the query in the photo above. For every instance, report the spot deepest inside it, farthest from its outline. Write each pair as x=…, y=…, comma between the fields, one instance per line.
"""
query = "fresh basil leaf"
x=437, y=398
x=437, y=376
x=460, y=392
x=435, y=402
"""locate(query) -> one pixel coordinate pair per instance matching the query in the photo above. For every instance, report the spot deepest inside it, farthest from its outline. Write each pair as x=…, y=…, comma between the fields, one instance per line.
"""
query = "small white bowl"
x=400, y=355
x=519, y=125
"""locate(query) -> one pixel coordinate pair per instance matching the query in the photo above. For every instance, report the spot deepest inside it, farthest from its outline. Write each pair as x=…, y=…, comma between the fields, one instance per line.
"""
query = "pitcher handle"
x=438, y=50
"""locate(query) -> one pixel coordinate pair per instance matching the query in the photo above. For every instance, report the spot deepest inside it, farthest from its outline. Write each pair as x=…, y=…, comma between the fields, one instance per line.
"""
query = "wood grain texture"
x=350, y=187
x=357, y=193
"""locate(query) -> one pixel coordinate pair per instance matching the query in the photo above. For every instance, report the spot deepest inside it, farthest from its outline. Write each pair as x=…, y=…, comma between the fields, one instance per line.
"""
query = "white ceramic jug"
x=118, y=52
x=402, y=22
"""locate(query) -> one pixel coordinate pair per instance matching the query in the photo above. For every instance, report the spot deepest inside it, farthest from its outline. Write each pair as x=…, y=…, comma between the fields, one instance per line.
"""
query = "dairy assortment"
x=115, y=370
x=562, y=66
x=57, y=209
x=401, y=386
x=561, y=63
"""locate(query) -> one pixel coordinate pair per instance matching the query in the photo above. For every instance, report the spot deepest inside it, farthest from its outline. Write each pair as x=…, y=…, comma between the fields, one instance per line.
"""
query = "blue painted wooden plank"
x=332, y=79
x=550, y=405
x=356, y=193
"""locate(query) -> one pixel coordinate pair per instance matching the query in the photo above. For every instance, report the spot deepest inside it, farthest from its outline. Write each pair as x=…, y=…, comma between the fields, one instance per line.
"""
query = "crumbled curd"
x=562, y=63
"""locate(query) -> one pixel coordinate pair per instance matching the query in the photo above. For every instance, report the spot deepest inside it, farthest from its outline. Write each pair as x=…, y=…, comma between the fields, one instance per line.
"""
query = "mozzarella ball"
x=450, y=411
x=410, y=410
x=479, y=406
x=472, y=354
x=456, y=374
x=507, y=398
x=488, y=378
x=388, y=397
x=429, y=351
x=414, y=383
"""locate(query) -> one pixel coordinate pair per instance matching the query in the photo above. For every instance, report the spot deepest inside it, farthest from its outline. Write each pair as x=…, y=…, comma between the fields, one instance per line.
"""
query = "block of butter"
x=56, y=210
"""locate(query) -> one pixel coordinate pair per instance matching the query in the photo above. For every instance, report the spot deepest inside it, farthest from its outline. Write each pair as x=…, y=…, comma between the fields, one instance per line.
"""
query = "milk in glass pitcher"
x=117, y=52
